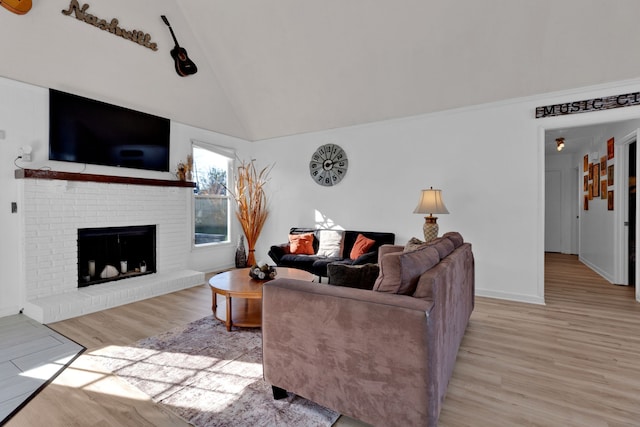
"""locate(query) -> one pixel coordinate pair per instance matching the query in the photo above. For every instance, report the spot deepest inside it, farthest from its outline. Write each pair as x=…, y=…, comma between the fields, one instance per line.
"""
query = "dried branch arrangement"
x=251, y=201
x=184, y=170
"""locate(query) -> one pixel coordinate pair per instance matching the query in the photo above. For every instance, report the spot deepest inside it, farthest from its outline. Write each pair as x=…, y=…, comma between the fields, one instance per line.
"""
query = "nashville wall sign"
x=135, y=36
x=587, y=105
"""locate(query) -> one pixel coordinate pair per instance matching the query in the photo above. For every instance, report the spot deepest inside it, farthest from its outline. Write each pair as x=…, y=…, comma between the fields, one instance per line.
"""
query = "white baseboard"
x=530, y=299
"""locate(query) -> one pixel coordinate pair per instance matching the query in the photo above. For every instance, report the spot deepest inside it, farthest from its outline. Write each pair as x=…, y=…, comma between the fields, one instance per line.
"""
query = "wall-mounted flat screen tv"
x=84, y=130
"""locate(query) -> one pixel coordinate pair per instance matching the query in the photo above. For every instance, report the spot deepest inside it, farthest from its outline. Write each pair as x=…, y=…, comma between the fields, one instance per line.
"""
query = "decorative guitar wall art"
x=17, y=6
x=184, y=65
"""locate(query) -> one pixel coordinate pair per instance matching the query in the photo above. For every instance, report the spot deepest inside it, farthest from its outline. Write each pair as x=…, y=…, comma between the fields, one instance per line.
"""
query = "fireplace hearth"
x=114, y=253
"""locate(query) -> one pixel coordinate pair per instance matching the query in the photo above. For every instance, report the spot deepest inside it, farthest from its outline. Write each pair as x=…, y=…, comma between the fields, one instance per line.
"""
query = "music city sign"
x=587, y=105
x=135, y=36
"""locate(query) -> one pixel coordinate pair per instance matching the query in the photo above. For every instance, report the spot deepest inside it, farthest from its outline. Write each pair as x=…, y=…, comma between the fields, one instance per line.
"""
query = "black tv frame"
x=84, y=130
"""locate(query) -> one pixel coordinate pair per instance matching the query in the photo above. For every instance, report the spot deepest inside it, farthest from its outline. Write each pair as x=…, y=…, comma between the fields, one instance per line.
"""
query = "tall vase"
x=251, y=259
x=241, y=255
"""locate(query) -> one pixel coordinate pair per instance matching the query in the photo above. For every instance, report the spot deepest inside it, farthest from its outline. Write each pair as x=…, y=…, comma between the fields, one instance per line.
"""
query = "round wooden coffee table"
x=244, y=295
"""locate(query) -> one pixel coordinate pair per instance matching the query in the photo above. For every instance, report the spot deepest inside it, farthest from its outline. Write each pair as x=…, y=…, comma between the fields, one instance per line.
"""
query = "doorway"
x=605, y=236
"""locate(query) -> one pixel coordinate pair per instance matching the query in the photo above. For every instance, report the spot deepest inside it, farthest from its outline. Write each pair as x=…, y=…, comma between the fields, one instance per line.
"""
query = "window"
x=212, y=200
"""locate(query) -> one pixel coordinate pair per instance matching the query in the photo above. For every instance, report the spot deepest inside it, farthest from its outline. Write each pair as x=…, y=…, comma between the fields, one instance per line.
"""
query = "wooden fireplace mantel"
x=108, y=179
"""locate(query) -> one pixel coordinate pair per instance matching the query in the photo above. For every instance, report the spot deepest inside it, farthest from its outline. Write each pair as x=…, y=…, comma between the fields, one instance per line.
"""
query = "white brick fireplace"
x=53, y=211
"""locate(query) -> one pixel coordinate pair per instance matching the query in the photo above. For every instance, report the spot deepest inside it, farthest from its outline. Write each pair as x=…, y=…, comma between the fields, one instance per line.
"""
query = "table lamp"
x=430, y=203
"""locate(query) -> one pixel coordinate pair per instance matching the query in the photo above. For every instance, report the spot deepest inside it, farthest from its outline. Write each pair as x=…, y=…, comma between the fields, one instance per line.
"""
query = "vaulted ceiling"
x=292, y=66
x=269, y=68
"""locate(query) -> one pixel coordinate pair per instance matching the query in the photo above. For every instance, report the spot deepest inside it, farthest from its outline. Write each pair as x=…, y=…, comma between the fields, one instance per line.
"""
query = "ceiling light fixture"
x=559, y=144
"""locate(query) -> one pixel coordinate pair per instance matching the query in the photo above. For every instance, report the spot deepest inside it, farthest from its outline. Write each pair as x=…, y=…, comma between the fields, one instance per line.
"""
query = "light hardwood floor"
x=573, y=362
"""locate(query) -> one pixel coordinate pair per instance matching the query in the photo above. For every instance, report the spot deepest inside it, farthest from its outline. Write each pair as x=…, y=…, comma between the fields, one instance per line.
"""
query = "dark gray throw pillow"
x=353, y=276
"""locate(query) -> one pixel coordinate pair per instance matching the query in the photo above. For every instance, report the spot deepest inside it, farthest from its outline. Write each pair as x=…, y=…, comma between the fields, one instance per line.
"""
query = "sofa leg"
x=279, y=393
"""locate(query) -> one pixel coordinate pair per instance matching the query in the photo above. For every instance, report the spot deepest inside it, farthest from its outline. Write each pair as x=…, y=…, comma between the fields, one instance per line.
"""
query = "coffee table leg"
x=214, y=305
x=228, y=320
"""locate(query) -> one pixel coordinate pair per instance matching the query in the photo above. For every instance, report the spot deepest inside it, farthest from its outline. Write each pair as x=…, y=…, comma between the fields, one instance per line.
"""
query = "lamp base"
x=430, y=228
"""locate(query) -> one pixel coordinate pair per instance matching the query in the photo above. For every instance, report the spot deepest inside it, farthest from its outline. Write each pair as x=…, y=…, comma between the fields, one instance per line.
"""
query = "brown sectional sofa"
x=383, y=356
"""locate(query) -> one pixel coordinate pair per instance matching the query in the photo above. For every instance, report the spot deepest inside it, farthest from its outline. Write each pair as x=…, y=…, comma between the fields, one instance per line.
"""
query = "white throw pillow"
x=331, y=243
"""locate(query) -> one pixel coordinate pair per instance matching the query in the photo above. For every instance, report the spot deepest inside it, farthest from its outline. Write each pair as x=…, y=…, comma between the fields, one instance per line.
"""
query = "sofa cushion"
x=455, y=237
x=307, y=230
x=444, y=246
x=424, y=287
x=361, y=246
x=400, y=271
x=414, y=244
x=389, y=278
x=301, y=244
x=353, y=276
x=331, y=243
x=319, y=266
x=303, y=262
x=413, y=264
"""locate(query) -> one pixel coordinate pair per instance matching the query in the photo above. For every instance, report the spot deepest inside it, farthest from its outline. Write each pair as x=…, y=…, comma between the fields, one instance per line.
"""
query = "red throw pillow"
x=301, y=244
x=361, y=246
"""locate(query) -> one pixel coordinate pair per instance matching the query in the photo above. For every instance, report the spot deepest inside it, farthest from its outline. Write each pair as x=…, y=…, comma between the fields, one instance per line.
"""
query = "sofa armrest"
x=387, y=249
x=276, y=252
x=350, y=350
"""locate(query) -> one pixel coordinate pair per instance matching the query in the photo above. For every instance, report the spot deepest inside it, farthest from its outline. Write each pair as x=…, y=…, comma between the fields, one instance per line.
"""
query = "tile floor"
x=31, y=355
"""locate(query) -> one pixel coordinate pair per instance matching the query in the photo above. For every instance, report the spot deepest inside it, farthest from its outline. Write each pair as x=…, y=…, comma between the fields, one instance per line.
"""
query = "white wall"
x=597, y=225
x=46, y=48
x=489, y=162
x=19, y=105
x=600, y=243
x=486, y=161
x=24, y=121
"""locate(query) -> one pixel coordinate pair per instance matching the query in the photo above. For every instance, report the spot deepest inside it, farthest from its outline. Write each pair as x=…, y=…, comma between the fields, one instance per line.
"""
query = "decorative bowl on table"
x=262, y=271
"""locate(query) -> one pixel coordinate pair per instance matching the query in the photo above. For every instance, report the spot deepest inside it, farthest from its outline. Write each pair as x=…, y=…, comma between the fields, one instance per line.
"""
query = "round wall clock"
x=328, y=165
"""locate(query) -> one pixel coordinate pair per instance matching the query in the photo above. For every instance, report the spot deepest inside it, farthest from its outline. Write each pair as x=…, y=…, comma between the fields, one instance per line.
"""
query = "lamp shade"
x=431, y=203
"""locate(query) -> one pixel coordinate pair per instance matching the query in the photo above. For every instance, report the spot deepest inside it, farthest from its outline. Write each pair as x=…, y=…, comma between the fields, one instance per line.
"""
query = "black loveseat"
x=317, y=264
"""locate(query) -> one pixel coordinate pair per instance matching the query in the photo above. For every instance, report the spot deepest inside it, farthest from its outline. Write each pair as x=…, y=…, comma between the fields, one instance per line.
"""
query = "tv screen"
x=84, y=130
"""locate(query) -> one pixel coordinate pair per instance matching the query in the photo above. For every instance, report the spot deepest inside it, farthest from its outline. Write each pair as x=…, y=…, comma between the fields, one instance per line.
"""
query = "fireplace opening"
x=114, y=253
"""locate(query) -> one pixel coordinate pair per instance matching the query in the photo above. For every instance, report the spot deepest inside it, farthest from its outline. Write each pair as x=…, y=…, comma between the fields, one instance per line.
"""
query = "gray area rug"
x=210, y=377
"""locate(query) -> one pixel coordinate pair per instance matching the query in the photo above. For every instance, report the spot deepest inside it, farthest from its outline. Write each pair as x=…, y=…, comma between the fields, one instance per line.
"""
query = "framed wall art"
x=585, y=163
x=603, y=165
x=610, y=200
x=596, y=180
x=603, y=189
x=610, y=146
x=610, y=175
